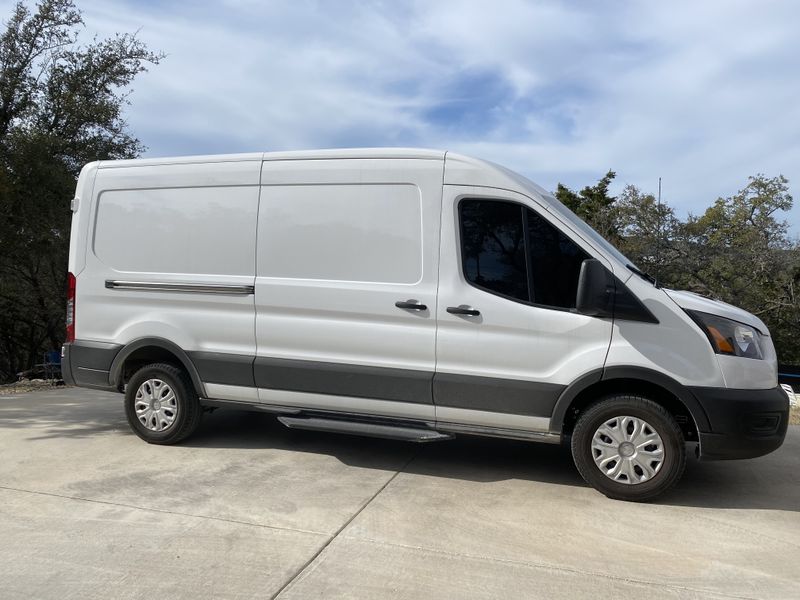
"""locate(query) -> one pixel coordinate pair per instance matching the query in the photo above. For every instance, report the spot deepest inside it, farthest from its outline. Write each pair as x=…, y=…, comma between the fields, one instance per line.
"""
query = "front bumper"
x=743, y=423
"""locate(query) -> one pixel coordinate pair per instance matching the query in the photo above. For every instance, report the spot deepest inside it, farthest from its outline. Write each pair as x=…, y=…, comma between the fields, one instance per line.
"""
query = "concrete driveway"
x=249, y=509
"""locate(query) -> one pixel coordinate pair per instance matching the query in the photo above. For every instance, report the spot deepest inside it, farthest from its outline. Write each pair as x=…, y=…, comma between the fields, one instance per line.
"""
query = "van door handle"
x=410, y=304
x=463, y=310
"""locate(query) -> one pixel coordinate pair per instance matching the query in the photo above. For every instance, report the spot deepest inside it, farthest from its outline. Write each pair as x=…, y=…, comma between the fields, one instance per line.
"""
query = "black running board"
x=379, y=430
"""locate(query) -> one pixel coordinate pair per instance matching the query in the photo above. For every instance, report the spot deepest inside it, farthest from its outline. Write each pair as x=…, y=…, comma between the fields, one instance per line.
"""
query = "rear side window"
x=509, y=250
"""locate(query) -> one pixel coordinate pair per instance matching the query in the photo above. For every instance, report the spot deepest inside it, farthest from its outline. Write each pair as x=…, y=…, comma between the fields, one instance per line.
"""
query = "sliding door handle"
x=410, y=305
x=463, y=310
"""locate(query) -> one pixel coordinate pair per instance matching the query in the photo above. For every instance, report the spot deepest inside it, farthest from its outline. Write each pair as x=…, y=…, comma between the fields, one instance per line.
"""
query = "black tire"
x=188, y=410
x=656, y=416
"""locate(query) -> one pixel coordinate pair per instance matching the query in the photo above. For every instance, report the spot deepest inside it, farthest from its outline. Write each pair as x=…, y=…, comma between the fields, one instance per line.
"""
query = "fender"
x=115, y=373
x=568, y=395
x=680, y=391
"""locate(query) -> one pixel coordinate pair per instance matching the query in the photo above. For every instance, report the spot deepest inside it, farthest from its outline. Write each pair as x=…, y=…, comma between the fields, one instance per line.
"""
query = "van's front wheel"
x=629, y=448
x=161, y=404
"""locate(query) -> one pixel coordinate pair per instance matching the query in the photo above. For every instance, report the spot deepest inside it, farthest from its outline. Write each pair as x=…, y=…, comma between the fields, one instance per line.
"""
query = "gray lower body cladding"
x=88, y=364
x=731, y=423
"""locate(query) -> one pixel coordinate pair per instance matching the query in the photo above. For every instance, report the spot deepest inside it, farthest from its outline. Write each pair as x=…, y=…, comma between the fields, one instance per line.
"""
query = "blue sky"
x=702, y=94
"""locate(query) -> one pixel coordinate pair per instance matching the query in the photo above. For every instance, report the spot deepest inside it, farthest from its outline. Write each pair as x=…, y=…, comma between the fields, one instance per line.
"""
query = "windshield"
x=567, y=215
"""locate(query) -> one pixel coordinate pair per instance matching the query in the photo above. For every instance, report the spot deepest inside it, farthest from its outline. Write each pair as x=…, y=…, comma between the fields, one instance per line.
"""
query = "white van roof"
x=355, y=153
x=461, y=170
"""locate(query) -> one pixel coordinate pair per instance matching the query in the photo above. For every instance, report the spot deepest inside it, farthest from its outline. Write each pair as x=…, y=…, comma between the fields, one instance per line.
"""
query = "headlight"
x=729, y=337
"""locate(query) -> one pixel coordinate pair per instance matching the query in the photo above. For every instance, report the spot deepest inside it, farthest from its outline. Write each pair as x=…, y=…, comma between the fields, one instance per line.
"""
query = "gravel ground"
x=29, y=385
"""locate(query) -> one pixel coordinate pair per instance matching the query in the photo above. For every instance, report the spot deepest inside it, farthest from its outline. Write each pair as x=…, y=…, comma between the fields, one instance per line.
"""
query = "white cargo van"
x=410, y=294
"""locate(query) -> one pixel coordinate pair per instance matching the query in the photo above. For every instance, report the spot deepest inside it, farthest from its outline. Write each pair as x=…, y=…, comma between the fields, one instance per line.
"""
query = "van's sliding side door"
x=346, y=273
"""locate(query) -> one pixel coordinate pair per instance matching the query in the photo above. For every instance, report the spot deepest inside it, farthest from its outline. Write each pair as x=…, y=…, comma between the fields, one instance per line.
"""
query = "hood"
x=692, y=301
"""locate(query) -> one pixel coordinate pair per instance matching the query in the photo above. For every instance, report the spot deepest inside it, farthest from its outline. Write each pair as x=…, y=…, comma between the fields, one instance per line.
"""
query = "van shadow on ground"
x=770, y=482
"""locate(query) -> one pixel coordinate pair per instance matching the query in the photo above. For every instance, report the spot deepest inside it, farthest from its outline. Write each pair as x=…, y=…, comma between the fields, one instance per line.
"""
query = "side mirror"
x=596, y=290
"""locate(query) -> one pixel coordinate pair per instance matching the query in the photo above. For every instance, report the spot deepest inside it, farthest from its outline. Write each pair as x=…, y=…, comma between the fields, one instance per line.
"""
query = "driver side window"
x=507, y=249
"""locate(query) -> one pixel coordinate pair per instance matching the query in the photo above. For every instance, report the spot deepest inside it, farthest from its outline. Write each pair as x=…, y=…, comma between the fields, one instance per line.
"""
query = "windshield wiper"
x=643, y=275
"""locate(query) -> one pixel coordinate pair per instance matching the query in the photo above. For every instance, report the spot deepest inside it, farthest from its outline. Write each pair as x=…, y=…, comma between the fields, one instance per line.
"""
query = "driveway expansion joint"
x=309, y=564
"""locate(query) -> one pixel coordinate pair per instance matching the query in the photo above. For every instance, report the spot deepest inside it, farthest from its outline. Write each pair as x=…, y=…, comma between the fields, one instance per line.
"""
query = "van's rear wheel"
x=161, y=404
x=629, y=448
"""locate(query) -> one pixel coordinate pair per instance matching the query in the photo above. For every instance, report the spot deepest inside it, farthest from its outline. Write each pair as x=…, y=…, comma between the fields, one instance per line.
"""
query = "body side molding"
x=491, y=394
x=189, y=288
x=223, y=369
x=340, y=379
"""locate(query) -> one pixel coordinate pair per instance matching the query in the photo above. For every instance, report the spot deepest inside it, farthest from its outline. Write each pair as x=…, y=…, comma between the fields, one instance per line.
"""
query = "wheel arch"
x=660, y=388
x=151, y=349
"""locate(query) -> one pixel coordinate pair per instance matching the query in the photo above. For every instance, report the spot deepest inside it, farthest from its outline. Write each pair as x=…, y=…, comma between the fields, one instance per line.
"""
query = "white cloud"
x=700, y=93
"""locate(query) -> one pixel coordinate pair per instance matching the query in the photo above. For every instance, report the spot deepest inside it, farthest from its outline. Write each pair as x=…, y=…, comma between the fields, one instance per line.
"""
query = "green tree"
x=61, y=106
x=646, y=231
x=593, y=204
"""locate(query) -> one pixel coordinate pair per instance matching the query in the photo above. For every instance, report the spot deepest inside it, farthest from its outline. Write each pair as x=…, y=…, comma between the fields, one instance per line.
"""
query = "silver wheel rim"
x=628, y=450
x=156, y=405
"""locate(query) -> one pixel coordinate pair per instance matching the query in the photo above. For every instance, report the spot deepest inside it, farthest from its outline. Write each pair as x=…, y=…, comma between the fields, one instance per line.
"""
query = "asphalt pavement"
x=249, y=509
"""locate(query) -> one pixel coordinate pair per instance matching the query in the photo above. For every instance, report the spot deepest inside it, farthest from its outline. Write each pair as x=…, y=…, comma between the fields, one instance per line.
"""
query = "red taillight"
x=70, y=308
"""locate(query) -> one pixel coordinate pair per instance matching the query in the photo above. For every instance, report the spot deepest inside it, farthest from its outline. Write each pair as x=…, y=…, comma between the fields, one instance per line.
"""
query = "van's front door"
x=346, y=285
x=509, y=340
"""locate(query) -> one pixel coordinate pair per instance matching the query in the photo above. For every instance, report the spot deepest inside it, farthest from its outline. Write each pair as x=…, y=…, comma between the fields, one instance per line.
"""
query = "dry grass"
x=794, y=416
